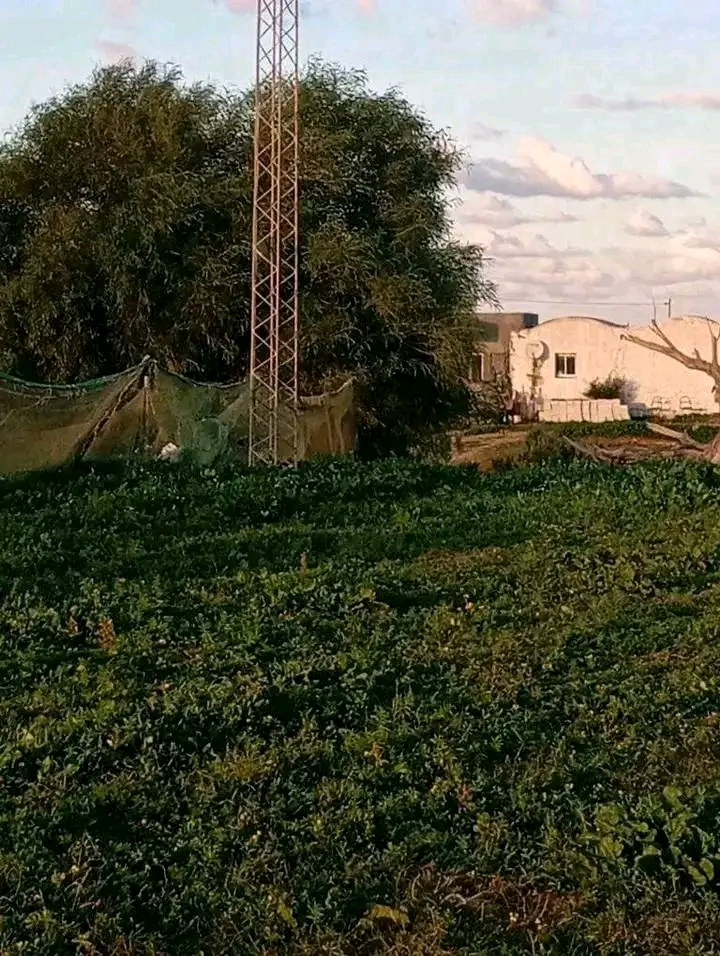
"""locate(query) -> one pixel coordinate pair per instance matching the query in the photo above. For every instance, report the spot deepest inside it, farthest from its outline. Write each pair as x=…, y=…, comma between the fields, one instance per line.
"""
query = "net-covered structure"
x=151, y=412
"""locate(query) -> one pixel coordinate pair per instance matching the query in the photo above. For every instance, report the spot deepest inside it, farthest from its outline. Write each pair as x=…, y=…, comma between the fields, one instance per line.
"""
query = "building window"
x=564, y=365
x=477, y=369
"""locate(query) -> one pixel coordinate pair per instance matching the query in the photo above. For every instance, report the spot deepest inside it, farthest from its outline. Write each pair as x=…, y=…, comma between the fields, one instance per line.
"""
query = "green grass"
x=699, y=428
x=352, y=709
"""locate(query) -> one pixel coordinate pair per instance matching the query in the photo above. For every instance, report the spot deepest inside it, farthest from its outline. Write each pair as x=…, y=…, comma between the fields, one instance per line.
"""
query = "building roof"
x=585, y=318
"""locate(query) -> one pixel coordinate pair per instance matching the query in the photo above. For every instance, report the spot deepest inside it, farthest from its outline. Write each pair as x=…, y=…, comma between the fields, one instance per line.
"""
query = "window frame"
x=561, y=359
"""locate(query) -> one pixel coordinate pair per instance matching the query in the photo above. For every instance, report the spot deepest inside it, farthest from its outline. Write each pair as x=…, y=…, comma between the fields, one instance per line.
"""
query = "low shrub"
x=611, y=387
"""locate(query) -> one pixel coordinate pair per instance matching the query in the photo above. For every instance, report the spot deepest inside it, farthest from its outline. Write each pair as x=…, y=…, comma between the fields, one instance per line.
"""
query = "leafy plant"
x=382, y=708
x=612, y=387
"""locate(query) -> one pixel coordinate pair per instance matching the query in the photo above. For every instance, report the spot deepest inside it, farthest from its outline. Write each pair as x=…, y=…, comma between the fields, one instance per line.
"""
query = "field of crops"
x=361, y=709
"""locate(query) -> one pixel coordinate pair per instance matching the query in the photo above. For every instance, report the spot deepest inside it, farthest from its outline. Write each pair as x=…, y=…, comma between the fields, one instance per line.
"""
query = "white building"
x=553, y=365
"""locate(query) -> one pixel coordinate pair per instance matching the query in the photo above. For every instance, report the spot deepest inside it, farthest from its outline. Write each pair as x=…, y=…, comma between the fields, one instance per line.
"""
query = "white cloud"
x=481, y=131
x=121, y=9
x=572, y=277
x=489, y=210
x=699, y=240
x=115, y=52
x=677, y=267
x=695, y=289
x=532, y=271
x=685, y=257
x=644, y=223
x=697, y=99
x=571, y=173
x=506, y=246
x=241, y=6
x=587, y=101
x=514, y=12
x=534, y=268
x=306, y=9
x=703, y=100
x=545, y=171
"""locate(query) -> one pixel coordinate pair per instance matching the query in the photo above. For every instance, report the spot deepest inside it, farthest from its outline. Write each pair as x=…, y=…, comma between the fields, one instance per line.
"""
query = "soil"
x=484, y=450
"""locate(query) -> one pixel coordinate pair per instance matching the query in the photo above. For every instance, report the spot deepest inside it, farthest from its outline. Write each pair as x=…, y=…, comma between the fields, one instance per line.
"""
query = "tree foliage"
x=125, y=226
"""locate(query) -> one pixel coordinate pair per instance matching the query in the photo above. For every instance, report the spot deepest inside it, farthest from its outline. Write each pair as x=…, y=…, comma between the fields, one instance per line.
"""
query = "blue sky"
x=591, y=125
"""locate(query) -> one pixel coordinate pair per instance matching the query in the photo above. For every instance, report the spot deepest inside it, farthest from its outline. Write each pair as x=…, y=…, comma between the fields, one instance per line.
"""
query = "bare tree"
x=665, y=346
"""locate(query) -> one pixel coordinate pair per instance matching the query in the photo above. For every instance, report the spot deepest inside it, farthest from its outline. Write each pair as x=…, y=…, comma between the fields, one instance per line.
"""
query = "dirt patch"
x=651, y=442
x=485, y=450
x=628, y=449
x=635, y=448
x=508, y=444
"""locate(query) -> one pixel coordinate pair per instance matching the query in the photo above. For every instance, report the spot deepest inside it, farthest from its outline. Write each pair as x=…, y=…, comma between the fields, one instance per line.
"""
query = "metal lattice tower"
x=274, y=310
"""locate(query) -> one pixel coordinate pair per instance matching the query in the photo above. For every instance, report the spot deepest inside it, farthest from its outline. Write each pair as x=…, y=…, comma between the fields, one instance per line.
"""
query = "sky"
x=590, y=126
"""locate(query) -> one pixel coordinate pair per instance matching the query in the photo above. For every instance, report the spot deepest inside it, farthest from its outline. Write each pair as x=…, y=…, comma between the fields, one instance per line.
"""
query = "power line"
x=572, y=302
x=605, y=302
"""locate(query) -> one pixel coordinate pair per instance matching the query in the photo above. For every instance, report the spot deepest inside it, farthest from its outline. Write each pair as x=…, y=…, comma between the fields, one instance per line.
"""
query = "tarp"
x=145, y=409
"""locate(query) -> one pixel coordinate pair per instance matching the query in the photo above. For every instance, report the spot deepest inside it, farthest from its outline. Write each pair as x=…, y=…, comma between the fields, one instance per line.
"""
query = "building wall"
x=497, y=351
x=654, y=381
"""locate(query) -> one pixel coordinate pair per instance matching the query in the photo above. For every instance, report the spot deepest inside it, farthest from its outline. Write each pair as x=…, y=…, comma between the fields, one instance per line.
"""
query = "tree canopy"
x=125, y=230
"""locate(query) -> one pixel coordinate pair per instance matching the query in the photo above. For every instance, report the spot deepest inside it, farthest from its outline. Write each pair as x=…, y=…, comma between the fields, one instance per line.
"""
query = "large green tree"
x=125, y=225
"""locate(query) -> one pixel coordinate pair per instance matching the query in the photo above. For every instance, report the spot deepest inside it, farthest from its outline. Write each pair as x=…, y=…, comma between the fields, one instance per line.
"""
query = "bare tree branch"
x=667, y=347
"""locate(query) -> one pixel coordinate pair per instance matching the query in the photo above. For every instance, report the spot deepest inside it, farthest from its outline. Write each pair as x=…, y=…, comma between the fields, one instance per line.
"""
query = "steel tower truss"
x=274, y=310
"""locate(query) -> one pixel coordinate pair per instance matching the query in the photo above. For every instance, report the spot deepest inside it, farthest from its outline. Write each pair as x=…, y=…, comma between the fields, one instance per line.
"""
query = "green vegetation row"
x=386, y=708
x=700, y=428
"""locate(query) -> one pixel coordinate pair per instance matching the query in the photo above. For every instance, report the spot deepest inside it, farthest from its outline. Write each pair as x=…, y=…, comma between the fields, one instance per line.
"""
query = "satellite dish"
x=535, y=350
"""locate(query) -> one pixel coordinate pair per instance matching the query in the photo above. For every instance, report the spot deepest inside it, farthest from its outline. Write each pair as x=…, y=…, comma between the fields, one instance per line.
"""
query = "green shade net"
x=151, y=412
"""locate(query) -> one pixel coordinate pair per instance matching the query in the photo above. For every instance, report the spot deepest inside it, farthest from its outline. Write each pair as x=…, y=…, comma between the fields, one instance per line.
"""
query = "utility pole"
x=274, y=316
x=668, y=303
